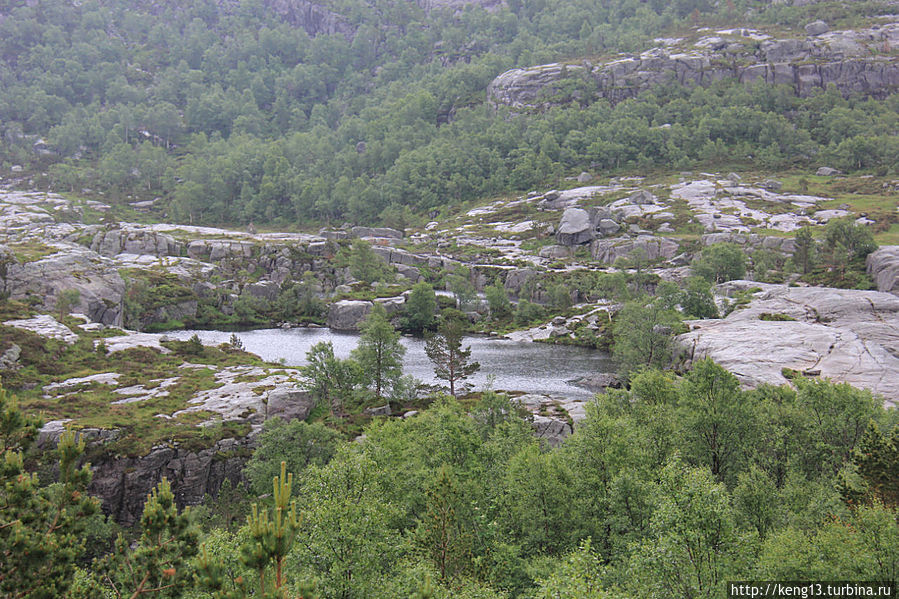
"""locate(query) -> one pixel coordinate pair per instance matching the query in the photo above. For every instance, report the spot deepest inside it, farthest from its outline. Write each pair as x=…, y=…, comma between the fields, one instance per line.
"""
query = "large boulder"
x=846, y=335
x=575, y=227
x=347, y=315
x=289, y=404
x=817, y=28
x=883, y=266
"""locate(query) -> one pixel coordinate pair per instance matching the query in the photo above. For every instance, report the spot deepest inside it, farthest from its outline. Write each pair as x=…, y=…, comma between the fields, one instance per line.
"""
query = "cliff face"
x=853, y=61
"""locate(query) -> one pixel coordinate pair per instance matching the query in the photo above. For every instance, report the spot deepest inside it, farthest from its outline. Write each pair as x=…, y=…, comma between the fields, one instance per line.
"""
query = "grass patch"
x=31, y=251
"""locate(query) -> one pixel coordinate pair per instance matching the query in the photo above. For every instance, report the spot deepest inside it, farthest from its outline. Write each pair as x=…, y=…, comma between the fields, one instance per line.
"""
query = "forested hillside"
x=292, y=112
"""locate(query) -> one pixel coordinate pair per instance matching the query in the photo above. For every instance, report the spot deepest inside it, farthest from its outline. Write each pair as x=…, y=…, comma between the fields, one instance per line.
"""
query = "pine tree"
x=161, y=563
x=270, y=540
x=451, y=362
x=42, y=529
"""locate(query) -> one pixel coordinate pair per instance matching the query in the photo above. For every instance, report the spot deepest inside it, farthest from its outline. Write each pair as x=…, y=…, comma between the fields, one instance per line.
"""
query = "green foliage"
x=421, y=306
x=347, y=539
x=498, y=301
x=268, y=541
x=160, y=563
x=643, y=334
x=694, y=545
x=67, y=300
x=451, y=362
x=43, y=529
x=365, y=265
x=805, y=253
x=715, y=418
x=578, y=577
x=721, y=262
x=528, y=313
x=379, y=353
x=329, y=378
x=298, y=444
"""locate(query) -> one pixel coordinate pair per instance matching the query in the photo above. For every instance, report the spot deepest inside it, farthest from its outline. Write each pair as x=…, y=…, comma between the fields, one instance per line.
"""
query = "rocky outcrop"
x=839, y=58
x=653, y=248
x=96, y=279
x=883, y=266
x=112, y=242
x=347, y=315
x=123, y=484
x=846, y=335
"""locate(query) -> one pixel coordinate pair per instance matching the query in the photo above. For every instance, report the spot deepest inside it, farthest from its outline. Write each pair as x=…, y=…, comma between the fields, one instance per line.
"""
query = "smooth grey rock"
x=655, y=248
x=883, y=266
x=392, y=305
x=804, y=65
x=552, y=430
x=817, y=28
x=45, y=326
x=96, y=279
x=826, y=171
x=9, y=360
x=515, y=279
x=584, y=177
x=772, y=185
x=112, y=242
x=641, y=197
x=289, y=404
x=608, y=227
x=266, y=290
x=599, y=381
x=848, y=335
x=575, y=227
x=347, y=315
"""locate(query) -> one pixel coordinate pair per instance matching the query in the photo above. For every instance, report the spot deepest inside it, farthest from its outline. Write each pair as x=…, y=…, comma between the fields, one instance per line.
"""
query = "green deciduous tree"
x=420, y=308
x=721, y=262
x=643, y=334
x=498, y=301
x=717, y=420
x=366, y=265
x=331, y=379
x=299, y=444
x=379, y=353
x=694, y=545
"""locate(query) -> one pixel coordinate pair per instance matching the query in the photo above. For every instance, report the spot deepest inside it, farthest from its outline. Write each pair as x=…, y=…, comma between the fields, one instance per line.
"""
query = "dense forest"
x=233, y=113
x=670, y=489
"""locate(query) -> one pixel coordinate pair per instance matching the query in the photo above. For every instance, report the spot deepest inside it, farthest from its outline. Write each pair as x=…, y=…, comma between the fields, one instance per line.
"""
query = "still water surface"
x=514, y=365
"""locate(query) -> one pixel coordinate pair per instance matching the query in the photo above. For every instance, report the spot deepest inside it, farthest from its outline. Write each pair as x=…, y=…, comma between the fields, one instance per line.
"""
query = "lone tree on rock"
x=451, y=362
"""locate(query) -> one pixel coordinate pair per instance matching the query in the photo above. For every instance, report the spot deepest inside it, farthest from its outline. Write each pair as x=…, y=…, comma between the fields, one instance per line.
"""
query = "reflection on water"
x=514, y=366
